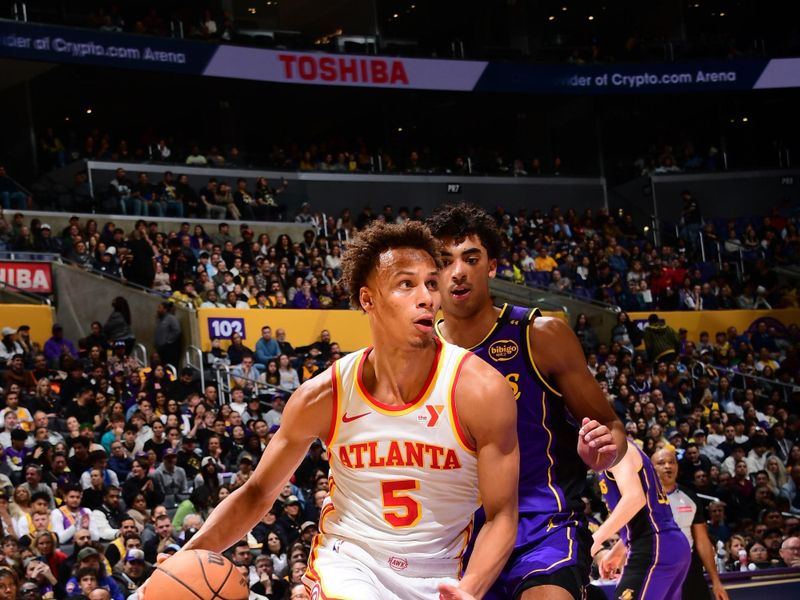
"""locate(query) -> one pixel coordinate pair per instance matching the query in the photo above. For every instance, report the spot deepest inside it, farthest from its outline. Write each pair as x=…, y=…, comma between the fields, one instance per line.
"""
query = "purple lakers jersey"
x=655, y=517
x=552, y=475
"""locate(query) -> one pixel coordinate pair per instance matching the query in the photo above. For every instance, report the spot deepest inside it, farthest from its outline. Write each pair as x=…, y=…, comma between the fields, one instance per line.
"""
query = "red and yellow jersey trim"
x=455, y=423
x=336, y=395
x=399, y=410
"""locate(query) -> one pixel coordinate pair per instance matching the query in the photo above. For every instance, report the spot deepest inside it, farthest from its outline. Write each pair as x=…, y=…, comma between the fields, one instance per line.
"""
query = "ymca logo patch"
x=398, y=564
x=430, y=416
x=503, y=350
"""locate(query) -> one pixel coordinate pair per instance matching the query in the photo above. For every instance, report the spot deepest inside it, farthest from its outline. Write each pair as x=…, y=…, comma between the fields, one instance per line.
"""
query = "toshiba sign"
x=27, y=276
x=343, y=69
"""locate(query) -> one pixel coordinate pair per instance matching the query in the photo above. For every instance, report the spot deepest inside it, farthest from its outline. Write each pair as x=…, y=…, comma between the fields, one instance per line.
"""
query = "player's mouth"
x=460, y=292
x=424, y=323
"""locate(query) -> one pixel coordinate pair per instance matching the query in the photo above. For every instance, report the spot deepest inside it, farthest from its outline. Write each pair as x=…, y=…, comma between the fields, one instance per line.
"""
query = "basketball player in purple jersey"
x=563, y=418
x=652, y=547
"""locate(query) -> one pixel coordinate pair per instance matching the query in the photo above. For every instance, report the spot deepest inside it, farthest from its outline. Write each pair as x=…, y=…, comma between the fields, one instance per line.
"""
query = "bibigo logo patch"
x=503, y=350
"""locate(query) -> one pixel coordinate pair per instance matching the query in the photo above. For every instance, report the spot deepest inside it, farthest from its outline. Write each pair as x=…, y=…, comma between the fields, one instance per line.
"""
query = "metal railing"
x=191, y=352
x=224, y=377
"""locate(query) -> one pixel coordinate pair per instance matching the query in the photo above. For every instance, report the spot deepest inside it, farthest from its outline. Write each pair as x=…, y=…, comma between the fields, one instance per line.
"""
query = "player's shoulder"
x=478, y=379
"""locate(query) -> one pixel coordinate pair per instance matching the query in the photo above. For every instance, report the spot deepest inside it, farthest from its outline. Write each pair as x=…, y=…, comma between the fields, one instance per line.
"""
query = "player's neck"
x=670, y=488
x=396, y=376
x=468, y=332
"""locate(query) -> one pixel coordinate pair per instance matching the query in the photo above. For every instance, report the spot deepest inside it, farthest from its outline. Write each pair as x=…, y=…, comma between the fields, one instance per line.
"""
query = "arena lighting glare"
x=745, y=119
x=591, y=17
x=551, y=18
x=564, y=8
x=88, y=111
x=646, y=229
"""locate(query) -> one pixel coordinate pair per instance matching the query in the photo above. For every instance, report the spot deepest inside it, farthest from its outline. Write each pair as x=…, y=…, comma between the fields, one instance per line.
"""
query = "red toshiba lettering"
x=327, y=69
x=348, y=68
x=307, y=67
x=399, y=72
x=379, y=71
x=288, y=60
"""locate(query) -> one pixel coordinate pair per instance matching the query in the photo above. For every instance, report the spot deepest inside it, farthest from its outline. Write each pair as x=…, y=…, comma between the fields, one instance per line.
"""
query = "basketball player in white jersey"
x=420, y=432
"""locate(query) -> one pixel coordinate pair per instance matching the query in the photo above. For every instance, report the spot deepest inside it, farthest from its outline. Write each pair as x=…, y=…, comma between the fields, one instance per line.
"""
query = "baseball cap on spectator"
x=246, y=457
x=307, y=524
x=9, y=331
x=45, y=226
x=170, y=453
x=111, y=250
x=673, y=433
x=172, y=548
x=189, y=438
x=292, y=500
x=119, y=344
x=87, y=552
x=206, y=460
x=134, y=555
x=699, y=432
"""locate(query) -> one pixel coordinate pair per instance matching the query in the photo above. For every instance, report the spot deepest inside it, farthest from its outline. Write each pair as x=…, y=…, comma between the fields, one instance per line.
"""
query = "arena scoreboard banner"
x=118, y=50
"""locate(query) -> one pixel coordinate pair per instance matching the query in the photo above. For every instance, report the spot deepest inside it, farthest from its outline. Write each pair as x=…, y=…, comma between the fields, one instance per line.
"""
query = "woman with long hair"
x=289, y=378
x=44, y=398
x=275, y=547
x=44, y=545
x=118, y=324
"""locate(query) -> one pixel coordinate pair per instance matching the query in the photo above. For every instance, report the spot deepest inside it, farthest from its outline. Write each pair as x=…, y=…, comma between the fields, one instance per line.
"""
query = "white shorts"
x=340, y=570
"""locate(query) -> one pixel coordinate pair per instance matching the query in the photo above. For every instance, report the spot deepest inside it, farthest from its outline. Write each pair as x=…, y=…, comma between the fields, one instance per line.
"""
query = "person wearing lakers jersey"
x=652, y=547
x=419, y=433
x=563, y=418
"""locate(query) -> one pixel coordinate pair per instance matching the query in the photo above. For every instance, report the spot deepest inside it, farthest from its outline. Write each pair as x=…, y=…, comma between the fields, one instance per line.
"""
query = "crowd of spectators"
x=340, y=155
x=107, y=461
x=733, y=423
x=595, y=255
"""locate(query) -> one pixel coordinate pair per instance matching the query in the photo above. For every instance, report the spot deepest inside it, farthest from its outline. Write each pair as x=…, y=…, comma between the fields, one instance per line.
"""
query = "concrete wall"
x=332, y=192
x=84, y=297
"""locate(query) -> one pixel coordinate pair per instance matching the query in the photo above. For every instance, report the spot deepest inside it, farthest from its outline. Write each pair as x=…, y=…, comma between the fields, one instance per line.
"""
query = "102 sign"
x=224, y=328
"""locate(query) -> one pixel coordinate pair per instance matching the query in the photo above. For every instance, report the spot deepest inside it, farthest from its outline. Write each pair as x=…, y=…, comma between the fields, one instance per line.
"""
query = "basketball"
x=196, y=574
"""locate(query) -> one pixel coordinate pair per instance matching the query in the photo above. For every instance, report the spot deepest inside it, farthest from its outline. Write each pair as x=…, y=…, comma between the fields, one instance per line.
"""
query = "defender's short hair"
x=458, y=221
x=366, y=247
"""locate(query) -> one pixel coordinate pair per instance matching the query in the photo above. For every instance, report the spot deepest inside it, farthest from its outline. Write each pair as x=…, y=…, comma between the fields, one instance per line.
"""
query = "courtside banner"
x=35, y=277
x=90, y=47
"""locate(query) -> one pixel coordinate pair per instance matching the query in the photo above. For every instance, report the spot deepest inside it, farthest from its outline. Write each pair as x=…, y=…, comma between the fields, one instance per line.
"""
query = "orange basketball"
x=196, y=574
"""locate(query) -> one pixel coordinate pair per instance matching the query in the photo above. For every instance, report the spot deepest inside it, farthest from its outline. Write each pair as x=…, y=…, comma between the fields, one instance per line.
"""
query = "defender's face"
x=402, y=293
x=465, y=276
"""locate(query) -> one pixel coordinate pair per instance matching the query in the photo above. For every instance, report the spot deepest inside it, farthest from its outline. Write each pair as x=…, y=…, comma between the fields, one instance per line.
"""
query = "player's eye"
x=433, y=284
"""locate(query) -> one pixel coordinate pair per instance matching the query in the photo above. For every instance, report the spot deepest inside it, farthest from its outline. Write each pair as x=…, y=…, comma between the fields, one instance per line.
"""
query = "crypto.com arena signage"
x=118, y=50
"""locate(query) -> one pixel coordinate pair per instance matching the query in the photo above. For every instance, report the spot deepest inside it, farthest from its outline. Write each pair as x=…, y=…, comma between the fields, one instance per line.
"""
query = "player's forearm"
x=706, y=553
x=492, y=549
x=617, y=430
x=232, y=519
x=625, y=510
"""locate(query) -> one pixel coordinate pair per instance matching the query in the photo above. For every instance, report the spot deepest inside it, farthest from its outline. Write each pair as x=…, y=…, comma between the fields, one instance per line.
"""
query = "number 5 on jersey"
x=395, y=496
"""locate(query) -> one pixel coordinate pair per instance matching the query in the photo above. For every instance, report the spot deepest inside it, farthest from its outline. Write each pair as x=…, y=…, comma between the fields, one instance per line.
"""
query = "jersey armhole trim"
x=335, y=408
x=455, y=423
x=530, y=317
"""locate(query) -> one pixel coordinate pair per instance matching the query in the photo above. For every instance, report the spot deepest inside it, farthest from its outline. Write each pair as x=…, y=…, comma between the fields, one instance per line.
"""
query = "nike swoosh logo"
x=346, y=419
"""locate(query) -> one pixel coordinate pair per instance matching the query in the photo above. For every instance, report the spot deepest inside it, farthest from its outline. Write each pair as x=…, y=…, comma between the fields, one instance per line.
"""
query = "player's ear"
x=365, y=299
x=492, y=267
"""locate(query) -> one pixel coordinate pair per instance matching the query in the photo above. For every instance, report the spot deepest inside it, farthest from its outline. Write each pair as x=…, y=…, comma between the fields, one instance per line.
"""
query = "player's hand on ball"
x=596, y=445
x=451, y=592
x=159, y=559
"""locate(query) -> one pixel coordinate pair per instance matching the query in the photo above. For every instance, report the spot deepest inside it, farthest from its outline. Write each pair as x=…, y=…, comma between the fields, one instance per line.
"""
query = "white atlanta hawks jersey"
x=404, y=480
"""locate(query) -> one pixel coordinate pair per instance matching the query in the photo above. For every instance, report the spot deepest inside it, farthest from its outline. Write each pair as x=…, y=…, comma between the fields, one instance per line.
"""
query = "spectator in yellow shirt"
x=543, y=261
